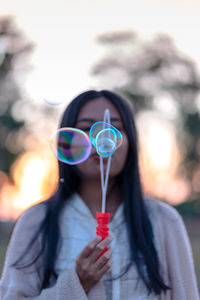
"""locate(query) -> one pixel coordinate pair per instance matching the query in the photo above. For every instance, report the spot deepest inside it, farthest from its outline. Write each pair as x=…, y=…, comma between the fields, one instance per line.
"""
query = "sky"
x=64, y=33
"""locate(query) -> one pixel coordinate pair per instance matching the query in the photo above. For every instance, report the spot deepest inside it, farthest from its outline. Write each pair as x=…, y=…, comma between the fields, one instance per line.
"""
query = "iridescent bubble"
x=2, y=51
x=106, y=142
x=53, y=102
x=71, y=145
x=98, y=127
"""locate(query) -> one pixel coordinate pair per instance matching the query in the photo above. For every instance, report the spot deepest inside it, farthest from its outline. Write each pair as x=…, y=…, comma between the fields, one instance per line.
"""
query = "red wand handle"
x=102, y=228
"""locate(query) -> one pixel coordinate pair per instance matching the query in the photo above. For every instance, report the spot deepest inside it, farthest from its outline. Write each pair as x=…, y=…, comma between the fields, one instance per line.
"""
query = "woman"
x=53, y=250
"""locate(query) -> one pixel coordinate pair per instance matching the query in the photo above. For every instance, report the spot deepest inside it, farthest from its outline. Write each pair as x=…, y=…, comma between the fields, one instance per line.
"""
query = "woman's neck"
x=90, y=192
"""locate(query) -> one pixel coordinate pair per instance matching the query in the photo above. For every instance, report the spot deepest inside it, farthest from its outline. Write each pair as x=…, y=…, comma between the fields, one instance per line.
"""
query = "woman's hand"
x=89, y=269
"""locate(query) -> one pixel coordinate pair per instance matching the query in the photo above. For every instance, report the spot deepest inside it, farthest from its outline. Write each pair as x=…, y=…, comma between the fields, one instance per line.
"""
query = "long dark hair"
x=140, y=232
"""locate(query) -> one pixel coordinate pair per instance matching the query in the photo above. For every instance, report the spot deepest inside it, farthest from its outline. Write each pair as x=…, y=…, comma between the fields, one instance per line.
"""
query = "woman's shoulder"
x=26, y=230
x=162, y=210
x=32, y=217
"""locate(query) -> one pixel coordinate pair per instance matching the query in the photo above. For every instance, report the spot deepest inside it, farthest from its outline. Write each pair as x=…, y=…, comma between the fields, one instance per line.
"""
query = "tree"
x=154, y=74
x=13, y=50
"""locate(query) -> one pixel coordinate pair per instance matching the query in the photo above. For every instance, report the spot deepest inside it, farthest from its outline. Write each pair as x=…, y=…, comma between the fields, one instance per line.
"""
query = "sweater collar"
x=77, y=203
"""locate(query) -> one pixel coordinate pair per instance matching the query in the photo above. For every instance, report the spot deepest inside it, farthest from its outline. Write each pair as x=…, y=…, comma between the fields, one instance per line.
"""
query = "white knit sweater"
x=77, y=229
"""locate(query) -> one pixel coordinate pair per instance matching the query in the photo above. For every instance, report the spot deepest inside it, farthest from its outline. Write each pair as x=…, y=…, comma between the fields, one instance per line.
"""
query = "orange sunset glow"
x=159, y=159
x=34, y=179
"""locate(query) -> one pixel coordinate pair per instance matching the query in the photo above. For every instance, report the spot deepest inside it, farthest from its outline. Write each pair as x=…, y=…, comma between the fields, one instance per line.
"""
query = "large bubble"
x=71, y=145
x=105, y=138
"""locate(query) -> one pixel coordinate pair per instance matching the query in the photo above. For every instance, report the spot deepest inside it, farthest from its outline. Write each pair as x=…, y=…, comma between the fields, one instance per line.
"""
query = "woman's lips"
x=96, y=158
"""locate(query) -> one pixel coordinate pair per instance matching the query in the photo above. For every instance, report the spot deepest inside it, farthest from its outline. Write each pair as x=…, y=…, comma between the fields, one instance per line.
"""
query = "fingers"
x=99, y=248
x=103, y=259
x=105, y=268
x=89, y=248
x=90, y=265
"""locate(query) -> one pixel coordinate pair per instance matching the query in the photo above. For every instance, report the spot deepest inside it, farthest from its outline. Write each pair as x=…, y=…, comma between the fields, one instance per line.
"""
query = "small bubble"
x=53, y=102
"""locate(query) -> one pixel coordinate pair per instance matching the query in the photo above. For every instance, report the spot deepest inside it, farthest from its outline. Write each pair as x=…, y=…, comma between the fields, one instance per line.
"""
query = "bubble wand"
x=103, y=218
x=104, y=184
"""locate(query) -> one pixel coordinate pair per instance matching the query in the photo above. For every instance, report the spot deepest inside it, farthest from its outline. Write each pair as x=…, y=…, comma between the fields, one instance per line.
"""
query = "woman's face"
x=91, y=112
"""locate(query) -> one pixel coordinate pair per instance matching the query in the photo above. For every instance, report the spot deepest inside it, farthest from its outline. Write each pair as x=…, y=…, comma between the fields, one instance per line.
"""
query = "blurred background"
x=149, y=52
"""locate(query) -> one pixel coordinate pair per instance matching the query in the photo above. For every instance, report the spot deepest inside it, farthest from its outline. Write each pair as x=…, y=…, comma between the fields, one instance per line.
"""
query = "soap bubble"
x=53, y=102
x=111, y=133
x=71, y=145
x=106, y=142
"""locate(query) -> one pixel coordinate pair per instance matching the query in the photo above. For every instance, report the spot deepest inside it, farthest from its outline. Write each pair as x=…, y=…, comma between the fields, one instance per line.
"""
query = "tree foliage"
x=154, y=74
x=13, y=50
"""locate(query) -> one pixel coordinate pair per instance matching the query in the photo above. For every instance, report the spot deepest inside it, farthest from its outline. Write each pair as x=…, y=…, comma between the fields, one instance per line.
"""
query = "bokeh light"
x=34, y=178
x=160, y=158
